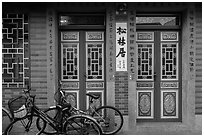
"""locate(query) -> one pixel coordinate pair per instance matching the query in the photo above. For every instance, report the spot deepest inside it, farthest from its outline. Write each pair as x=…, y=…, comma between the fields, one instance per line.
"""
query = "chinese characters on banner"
x=192, y=43
x=50, y=43
x=121, y=46
x=110, y=43
x=132, y=43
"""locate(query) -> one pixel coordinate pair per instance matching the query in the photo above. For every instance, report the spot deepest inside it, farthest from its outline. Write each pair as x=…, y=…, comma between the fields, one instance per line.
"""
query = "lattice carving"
x=95, y=85
x=94, y=61
x=72, y=97
x=70, y=61
x=15, y=51
x=169, y=84
x=145, y=104
x=169, y=104
x=145, y=53
x=169, y=61
x=70, y=85
x=145, y=84
x=96, y=102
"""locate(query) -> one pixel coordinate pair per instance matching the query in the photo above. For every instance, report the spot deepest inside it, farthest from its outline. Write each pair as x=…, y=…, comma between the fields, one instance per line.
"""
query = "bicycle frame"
x=56, y=125
x=86, y=112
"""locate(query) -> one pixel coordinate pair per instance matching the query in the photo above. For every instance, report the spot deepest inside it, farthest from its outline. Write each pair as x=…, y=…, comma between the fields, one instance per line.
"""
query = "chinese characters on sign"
x=121, y=46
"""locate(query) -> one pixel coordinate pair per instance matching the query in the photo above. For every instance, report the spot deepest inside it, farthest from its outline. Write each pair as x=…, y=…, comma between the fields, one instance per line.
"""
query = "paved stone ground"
x=156, y=131
x=198, y=131
x=160, y=132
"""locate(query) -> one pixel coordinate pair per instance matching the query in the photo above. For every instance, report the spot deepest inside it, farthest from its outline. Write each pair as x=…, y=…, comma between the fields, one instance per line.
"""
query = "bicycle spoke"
x=54, y=115
x=24, y=126
x=75, y=126
x=23, y=123
x=109, y=118
x=82, y=125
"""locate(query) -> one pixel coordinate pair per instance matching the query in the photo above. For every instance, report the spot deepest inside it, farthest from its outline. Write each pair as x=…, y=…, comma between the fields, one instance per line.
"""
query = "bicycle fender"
x=7, y=111
x=81, y=115
x=57, y=106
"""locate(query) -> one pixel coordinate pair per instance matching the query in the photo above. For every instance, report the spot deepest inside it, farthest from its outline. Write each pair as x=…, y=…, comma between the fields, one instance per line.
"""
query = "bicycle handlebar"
x=62, y=93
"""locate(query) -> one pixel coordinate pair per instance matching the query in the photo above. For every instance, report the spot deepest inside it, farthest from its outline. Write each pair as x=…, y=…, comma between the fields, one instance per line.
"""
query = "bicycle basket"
x=17, y=106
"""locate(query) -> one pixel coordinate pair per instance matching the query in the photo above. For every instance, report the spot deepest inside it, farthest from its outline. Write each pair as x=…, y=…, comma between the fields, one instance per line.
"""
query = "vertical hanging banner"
x=121, y=46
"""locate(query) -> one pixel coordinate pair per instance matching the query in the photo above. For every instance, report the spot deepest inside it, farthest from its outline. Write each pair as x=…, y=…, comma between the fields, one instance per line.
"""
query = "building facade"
x=143, y=58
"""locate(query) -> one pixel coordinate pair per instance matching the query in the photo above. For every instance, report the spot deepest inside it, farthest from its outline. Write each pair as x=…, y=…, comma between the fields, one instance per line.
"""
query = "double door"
x=82, y=66
x=158, y=76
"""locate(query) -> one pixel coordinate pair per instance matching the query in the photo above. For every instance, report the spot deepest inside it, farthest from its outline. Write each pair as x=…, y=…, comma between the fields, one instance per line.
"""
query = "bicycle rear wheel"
x=25, y=126
x=6, y=119
x=109, y=118
x=82, y=125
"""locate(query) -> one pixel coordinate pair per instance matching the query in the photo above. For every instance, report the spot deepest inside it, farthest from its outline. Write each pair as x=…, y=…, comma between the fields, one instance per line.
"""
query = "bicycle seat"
x=93, y=96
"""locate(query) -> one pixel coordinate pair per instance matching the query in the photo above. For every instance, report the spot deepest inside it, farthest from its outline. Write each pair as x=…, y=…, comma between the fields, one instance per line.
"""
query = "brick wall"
x=121, y=92
x=38, y=57
x=198, y=61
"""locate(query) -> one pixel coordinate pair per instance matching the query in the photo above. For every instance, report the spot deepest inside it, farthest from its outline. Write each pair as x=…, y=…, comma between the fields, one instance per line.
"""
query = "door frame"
x=83, y=28
x=157, y=58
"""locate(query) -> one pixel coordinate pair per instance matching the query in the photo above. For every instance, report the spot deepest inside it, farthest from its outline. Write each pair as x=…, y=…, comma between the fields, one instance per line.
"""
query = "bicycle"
x=109, y=118
x=32, y=120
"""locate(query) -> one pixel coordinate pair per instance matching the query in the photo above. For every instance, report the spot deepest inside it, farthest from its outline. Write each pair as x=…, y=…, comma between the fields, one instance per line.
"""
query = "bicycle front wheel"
x=109, y=118
x=25, y=126
x=82, y=125
x=6, y=119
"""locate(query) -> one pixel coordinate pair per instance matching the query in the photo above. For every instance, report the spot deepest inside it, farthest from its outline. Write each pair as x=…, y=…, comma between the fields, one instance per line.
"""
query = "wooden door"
x=82, y=66
x=158, y=76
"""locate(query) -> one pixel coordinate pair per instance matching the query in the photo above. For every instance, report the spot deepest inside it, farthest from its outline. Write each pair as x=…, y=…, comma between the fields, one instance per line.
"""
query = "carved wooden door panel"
x=158, y=76
x=82, y=66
